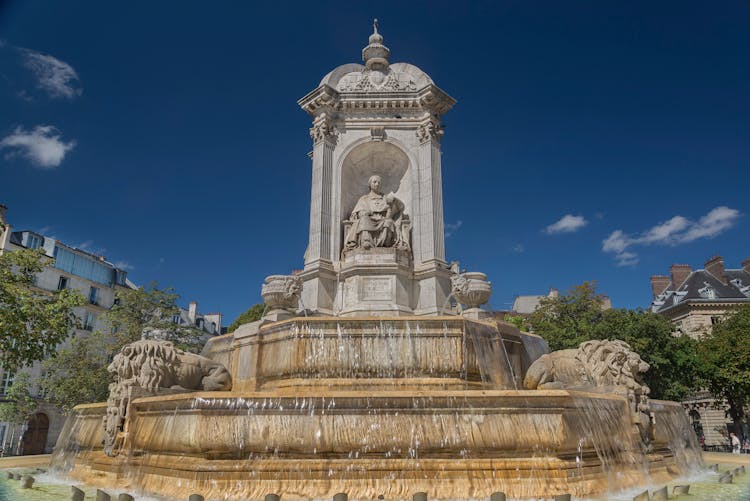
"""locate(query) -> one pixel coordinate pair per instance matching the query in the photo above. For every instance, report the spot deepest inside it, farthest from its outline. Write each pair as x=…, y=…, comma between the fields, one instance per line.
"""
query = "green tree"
x=32, y=321
x=255, y=312
x=725, y=361
x=77, y=374
x=19, y=404
x=570, y=319
x=673, y=360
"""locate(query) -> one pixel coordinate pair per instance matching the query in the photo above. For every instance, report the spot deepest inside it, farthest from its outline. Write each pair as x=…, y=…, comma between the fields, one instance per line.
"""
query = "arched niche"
x=377, y=157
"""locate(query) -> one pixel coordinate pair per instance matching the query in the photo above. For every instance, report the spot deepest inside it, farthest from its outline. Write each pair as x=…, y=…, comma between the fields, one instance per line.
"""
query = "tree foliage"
x=32, y=321
x=20, y=404
x=725, y=361
x=77, y=374
x=255, y=312
x=570, y=319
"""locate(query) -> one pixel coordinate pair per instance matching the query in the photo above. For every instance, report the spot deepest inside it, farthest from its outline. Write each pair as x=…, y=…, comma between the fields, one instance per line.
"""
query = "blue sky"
x=591, y=140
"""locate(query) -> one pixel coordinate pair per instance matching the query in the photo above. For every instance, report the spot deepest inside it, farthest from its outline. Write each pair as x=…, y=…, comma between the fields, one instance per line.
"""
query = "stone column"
x=318, y=276
x=430, y=269
x=321, y=198
x=431, y=236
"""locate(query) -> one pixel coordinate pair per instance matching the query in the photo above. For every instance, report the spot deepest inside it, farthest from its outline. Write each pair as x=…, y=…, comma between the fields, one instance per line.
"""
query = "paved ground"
x=41, y=460
x=723, y=457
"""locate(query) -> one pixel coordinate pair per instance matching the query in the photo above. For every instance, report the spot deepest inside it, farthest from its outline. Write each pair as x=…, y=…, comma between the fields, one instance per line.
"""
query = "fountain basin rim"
x=453, y=319
x=373, y=395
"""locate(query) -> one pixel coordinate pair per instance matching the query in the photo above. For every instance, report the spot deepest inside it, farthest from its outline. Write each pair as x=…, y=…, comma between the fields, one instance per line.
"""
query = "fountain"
x=380, y=385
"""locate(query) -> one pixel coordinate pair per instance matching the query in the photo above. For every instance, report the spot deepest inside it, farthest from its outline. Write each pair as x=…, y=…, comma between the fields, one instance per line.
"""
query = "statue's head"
x=374, y=183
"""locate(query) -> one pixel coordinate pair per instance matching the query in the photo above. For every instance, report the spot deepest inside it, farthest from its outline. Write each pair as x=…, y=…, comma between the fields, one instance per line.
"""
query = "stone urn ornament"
x=472, y=289
x=281, y=294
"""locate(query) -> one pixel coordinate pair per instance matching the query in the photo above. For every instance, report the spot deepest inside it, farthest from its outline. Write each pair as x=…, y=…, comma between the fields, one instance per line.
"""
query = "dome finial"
x=376, y=54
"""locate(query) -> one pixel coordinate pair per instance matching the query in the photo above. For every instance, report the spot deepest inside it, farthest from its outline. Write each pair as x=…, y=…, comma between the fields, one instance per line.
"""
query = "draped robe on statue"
x=374, y=221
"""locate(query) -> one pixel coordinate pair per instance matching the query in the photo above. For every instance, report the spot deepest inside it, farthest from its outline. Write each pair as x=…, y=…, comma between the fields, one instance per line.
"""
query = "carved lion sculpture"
x=153, y=364
x=145, y=367
x=592, y=364
x=599, y=364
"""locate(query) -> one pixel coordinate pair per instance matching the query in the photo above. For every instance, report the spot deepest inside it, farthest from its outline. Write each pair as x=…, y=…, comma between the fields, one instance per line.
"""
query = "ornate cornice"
x=430, y=98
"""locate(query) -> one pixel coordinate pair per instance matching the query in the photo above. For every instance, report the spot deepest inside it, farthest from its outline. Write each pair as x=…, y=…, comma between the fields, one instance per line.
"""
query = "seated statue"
x=376, y=220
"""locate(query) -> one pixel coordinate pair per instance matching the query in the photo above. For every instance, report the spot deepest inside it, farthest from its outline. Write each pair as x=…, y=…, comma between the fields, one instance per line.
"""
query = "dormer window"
x=707, y=292
x=745, y=290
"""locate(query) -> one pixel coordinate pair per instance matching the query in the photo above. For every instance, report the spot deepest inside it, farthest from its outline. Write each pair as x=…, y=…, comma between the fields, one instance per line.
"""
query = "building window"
x=199, y=323
x=715, y=320
x=88, y=323
x=176, y=319
x=212, y=328
x=33, y=242
x=93, y=291
x=62, y=284
x=7, y=381
x=42, y=393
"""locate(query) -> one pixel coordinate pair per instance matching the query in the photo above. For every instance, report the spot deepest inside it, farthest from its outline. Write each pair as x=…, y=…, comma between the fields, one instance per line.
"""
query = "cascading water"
x=376, y=406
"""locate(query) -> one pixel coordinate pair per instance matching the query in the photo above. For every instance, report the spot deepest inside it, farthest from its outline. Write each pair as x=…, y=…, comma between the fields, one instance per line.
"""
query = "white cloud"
x=42, y=146
x=124, y=265
x=518, y=248
x=675, y=231
x=627, y=259
x=57, y=78
x=451, y=228
x=567, y=224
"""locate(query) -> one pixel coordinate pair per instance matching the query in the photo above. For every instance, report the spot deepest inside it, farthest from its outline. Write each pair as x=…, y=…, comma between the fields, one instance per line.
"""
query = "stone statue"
x=376, y=220
x=598, y=364
x=148, y=367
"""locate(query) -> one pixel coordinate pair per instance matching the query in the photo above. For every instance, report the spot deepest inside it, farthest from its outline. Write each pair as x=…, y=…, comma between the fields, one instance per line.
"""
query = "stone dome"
x=376, y=75
x=398, y=77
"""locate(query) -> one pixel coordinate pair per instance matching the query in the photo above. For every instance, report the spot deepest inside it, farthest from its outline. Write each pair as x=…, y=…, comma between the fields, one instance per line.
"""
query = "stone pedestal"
x=376, y=282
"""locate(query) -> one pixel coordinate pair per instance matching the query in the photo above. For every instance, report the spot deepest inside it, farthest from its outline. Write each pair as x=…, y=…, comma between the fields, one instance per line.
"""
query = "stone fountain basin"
x=500, y=423
x=316, y=443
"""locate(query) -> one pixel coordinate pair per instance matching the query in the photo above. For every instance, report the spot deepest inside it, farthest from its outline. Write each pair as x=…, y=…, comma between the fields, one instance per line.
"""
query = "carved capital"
x=322, y=129
x=429, y=130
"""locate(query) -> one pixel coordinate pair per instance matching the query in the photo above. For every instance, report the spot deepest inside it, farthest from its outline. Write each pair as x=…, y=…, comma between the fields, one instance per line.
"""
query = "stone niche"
x=368, y=159
x=377, y=281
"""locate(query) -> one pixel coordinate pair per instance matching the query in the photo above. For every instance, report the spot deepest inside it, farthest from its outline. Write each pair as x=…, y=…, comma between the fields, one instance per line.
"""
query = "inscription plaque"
x=379, y=288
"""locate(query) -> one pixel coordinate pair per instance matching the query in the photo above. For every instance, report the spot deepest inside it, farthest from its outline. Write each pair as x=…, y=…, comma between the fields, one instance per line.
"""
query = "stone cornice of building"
x=704, y=304
x=326, y=98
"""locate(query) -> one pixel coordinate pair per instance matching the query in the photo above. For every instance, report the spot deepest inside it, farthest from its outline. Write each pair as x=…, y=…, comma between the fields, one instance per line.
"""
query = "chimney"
x=746, y=265
x=192, y=311
x=659, y=284
x=715, y=266
x=679, y=273
x=3, y=208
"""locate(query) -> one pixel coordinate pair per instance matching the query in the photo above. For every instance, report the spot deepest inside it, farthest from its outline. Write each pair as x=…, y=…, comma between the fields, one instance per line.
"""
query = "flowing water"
x=379, y=406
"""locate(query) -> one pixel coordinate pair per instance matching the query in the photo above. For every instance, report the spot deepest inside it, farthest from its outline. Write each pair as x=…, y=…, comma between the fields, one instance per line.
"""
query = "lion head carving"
x=593, y=364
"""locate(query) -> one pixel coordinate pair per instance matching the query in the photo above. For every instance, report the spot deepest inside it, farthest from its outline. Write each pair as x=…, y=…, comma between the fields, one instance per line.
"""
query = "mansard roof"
x=701, y=287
